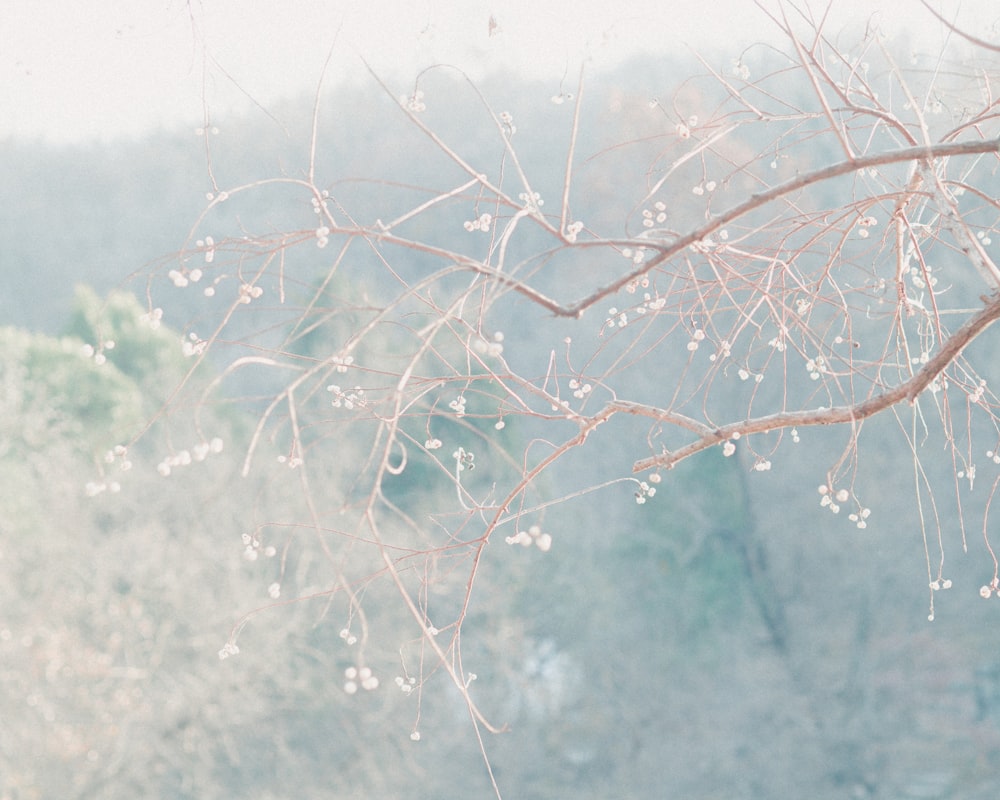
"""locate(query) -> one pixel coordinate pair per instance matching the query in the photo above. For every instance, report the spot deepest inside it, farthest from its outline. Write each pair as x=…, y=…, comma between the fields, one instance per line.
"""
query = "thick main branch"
x=760, y=199
x=908, y=390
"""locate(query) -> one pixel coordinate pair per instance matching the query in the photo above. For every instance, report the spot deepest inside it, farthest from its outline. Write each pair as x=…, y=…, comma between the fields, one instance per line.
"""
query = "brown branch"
x=755, y=201
x=667, y=251
x=908, y=390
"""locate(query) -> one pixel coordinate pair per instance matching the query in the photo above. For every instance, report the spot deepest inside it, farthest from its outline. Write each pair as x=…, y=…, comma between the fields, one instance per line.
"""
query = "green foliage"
x=53, y=392
x=143, y=350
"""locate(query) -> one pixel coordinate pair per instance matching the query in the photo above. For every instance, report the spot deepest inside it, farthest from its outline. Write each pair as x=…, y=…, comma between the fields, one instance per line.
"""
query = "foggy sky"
x=72, y=71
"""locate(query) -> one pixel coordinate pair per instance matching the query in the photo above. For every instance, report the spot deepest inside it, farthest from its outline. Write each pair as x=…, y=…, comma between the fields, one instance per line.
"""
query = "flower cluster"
x=405, y=685
x=969, y=472
x=637, y=256
x=654, y=304
x=696, y=337
x=97, y=353
x=815, y=367
x=486, y=347
x=701, y=188
x=580, y=390
x=208, y=245
x=724, y=351
x=183, y=458
x=616, y=318
x=465, y=459
x=341, y=363
x=657, y=215
x=702, y=246
x=864, y=224
x=229, y=649
x=482, y=223
x=184, y=276
x=347, y=398
x=938, y=384
x=359, y=675
x=644, y=491
x=415, y=102
x=979, y=391
x=573, y=230
x=319, y=204
x=193, y=345
x=249, y=292
x=531, y=201
x=458, y=405
x=94, y=488
x=745, y=375
x=832, y=499
x=633, y=285
x=252, y=548
x=119, y=454
x=532, y=536
x=347, y=636
x=917, y=276
x=152, y=318
x=509, y=128
x=322, y=236
x=990, y=589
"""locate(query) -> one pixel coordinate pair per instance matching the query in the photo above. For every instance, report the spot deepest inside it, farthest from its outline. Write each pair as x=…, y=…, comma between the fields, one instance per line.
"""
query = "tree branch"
x=759, y=199
x=908, y=390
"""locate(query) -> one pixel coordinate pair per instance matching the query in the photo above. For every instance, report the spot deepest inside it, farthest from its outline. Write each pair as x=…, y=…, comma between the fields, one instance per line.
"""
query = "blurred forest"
x=726, y=639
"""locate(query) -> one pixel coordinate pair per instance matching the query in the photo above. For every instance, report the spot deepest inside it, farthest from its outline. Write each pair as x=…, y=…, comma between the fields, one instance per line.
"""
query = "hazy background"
x=70, y=72
x=729, y=640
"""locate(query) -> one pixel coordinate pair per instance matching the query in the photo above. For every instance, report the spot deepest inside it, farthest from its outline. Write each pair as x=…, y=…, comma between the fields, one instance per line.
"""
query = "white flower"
x=178, y=278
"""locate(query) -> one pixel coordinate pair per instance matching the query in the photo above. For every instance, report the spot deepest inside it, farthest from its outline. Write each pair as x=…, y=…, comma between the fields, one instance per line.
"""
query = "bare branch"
x=908, y=391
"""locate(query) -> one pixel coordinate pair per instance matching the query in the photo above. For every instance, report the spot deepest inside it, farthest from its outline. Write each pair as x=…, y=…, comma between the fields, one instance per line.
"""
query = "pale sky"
x=71, y=70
